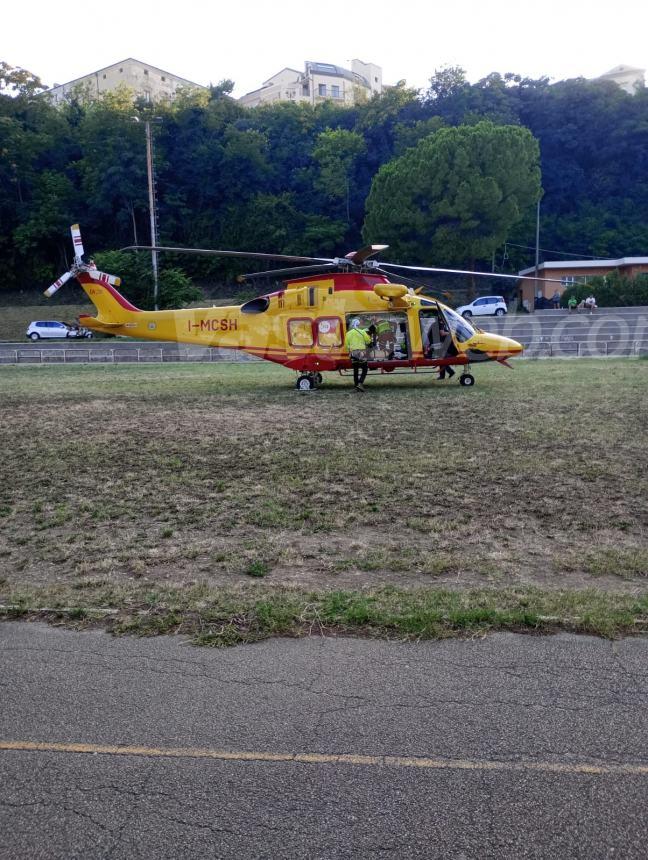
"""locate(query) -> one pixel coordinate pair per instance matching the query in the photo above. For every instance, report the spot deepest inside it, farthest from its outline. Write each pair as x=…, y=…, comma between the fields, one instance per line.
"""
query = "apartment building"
x=147, y=82
x=318, y=82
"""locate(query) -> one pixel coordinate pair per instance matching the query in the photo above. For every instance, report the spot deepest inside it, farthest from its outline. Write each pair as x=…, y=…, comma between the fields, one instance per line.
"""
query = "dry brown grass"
x=185, y=474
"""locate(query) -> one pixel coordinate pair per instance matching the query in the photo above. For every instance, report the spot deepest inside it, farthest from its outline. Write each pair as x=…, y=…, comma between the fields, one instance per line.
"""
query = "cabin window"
x=300, y=332
x=329, y=332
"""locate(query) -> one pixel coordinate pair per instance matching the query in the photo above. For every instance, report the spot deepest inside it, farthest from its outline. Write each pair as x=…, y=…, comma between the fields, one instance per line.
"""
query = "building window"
x=336, y=91
x=570, y=280
x=104, y=77
x=321, y=89
x=305, y=89
x=146, y=71
x=163, y=78
x=120, y=71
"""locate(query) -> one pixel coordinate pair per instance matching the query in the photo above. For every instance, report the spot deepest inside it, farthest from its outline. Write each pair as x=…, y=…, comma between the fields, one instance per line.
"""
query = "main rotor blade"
x=295, y=270
x=49, y=292
x=75, y=230
x=470, y=272
x=286, y=258
x=358, y=257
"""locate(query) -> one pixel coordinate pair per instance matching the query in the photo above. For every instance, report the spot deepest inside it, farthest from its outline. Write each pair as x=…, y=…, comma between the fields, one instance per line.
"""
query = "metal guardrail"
x=585, y=349
x=537, y=348
x=99, y=355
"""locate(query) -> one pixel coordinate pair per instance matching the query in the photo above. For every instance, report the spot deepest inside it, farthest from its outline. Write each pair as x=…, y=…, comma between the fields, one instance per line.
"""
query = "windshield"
x=461, y=329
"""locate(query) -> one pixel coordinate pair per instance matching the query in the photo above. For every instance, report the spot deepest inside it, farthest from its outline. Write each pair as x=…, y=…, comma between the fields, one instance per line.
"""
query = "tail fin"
x=112, y=308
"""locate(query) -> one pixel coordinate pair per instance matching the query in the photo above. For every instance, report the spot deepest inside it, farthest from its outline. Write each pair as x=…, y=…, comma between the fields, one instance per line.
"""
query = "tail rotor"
x=78, y=267
x=49, y=292
x=77, y=242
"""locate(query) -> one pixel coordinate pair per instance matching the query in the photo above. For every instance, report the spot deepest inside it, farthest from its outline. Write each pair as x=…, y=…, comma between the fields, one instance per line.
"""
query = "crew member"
x=356, y=341
x=447, y=349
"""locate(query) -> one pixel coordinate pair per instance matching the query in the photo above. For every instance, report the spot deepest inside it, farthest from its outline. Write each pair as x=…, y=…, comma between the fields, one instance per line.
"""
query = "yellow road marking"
x=326, y=758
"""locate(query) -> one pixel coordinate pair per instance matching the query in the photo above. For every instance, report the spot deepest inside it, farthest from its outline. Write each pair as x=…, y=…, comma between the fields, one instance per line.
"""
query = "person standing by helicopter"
x=356, y=341
x=447, y=349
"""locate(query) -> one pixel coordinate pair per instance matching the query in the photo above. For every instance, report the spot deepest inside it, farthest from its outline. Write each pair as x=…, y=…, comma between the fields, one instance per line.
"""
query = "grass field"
x=201, y=497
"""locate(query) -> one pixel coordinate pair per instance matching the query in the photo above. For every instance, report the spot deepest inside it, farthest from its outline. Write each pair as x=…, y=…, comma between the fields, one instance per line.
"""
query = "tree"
x=17, y=80
x=454, y=197
x=336, y=152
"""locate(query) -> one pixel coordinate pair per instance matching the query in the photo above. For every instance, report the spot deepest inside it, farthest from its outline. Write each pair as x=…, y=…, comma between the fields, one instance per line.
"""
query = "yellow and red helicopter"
x=303, y=325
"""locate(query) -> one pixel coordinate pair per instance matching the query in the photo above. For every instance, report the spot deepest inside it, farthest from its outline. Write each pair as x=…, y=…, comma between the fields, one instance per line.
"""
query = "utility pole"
x=537, y=244
x=152, y=203
x=152, y=210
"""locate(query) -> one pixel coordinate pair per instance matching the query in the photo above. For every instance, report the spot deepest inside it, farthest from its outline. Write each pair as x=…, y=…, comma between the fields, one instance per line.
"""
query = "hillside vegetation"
x=292, y=178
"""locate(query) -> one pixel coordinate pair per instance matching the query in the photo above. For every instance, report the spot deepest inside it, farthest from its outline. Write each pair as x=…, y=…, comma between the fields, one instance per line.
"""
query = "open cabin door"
x=390, y=335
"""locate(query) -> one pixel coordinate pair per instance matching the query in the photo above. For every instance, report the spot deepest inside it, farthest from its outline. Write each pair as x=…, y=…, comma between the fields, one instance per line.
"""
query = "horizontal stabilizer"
x=104, y=278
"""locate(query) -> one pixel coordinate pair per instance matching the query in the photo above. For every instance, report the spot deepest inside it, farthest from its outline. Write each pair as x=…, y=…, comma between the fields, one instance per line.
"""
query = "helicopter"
x=303, y=325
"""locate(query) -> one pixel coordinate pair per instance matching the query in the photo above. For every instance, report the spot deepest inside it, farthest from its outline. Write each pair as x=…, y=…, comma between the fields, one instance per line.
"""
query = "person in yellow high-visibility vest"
x=356, y=342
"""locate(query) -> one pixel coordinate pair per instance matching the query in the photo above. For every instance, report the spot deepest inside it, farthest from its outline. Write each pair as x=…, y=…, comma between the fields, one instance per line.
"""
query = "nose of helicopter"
x=497, y=346
x=510, y=346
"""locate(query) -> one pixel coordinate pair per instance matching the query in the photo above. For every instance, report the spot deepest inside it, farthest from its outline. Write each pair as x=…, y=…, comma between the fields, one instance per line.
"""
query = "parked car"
x=484, y=305
x=50, y=328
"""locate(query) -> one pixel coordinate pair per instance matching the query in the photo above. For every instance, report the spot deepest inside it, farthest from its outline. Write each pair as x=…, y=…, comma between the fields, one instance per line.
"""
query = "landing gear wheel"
x=467, y=379
x=305, y=383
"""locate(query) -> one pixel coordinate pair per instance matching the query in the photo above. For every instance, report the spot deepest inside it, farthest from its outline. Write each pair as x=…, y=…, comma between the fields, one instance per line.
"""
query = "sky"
x=250, y=40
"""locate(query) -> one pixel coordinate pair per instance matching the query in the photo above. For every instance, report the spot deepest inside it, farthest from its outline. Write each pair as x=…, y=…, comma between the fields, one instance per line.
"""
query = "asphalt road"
x=508, y=747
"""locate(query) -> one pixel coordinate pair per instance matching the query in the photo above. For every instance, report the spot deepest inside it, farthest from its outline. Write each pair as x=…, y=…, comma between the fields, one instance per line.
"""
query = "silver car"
x=50, y=328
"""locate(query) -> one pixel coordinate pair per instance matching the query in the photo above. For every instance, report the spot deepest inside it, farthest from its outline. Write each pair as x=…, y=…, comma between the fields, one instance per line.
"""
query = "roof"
x=334, y=71
x=622, y=70
x=120, y=63
x=270, y=81
x=588, y=264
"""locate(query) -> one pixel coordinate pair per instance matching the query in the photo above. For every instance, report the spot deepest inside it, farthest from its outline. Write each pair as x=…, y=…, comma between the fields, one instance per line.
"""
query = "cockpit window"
x=461, y=329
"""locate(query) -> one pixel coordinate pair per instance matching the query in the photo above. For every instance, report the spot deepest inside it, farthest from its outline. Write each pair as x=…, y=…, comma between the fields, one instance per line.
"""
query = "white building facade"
x=628, y=78
x=318, y=82
x=147, y=82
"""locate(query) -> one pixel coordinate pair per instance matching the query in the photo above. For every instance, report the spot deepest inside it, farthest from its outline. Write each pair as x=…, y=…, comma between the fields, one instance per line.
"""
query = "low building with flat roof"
x=574, y=272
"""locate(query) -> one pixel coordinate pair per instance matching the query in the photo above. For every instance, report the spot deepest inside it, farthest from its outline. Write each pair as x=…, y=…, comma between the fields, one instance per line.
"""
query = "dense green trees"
x=454, y=197
x=293, y=178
